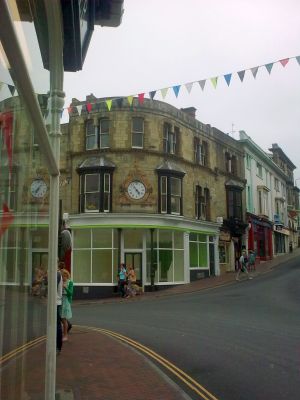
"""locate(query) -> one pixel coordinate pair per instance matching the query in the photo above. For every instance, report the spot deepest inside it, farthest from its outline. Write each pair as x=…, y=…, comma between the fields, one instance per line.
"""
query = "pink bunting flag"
x=89, y=107
x=141, y=97
x=284, y=61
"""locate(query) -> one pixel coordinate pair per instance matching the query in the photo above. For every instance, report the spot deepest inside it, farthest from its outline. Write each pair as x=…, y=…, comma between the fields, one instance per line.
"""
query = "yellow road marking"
x=189, y=381
x=21, y=349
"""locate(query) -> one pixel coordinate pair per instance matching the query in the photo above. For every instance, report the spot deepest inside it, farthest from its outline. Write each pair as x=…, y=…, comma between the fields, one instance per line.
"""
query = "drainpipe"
x=56, y=102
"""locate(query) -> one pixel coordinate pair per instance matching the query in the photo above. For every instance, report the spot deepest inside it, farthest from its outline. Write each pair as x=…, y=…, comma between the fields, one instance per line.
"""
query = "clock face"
x=38, y=188
x=136, y=190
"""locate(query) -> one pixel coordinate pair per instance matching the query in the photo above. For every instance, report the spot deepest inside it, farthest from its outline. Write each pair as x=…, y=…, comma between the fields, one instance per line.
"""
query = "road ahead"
x=240, y=342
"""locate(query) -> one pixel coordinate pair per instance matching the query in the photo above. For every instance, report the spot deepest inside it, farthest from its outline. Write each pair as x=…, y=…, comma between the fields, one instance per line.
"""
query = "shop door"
x=135, y=260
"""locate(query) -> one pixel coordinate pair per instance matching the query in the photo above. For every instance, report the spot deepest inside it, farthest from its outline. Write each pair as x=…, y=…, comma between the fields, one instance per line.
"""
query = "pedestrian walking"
x=131, y=280
x=122, y=275
x=66, y=312
x=58, y=312
x=243, y=264
x=252, y=257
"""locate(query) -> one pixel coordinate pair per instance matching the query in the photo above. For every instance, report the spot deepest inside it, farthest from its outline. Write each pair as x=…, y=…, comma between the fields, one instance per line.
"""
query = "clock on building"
x=136, y=190
x=38, y=188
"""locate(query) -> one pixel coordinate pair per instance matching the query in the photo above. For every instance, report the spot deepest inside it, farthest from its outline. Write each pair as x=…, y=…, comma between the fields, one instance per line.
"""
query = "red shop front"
x=260, y=237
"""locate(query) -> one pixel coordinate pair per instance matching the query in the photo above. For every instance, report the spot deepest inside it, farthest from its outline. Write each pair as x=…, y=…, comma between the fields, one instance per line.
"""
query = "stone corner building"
x=151, y=186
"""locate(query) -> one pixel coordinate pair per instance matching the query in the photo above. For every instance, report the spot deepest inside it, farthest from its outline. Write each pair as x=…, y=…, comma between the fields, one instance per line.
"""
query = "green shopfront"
x=163, y=251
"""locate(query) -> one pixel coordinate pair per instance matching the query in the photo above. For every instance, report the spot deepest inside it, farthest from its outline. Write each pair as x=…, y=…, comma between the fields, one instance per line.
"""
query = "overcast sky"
x=162, y=43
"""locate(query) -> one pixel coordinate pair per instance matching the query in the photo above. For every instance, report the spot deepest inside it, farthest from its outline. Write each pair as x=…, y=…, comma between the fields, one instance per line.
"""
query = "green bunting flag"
x=214, y=81
x=269, y=67
x=109, y=103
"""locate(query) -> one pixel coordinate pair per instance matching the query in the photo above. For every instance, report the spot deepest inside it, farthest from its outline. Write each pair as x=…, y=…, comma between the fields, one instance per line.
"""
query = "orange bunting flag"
x=284, y=61
x=141, y=97
x=108, y=103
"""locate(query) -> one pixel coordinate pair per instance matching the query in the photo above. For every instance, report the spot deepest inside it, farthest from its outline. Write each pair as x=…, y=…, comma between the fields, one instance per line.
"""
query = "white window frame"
x=103, y=134
x=93, y=134
x=106, y=178
x=176, y=196
x=137, y=132
x=85, y=193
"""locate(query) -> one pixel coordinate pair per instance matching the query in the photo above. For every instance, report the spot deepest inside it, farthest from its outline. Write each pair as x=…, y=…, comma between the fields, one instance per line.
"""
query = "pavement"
x=97, y=366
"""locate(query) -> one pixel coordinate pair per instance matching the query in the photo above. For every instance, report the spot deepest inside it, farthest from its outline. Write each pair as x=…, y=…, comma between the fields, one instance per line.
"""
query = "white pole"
x=56, y=102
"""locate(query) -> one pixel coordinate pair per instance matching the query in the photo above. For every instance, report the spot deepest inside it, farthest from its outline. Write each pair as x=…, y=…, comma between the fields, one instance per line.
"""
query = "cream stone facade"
x=148, y=185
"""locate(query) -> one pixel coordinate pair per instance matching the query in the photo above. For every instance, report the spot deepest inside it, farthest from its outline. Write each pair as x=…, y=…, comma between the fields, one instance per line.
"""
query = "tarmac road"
x=240, y=341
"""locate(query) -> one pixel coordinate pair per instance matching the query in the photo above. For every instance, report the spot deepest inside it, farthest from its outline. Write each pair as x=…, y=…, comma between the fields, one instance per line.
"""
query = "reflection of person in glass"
x=66, y=248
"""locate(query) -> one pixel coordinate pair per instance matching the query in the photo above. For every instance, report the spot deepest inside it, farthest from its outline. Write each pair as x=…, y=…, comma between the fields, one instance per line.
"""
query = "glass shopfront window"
x=198, y=251
x=94, y=256
x=168, y=256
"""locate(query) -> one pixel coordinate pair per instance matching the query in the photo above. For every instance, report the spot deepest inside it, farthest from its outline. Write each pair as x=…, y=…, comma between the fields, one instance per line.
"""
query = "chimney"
x=191, y=111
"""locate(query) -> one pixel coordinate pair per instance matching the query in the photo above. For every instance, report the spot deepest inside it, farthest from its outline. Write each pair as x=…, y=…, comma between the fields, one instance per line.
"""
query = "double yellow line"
x=21, y=349
x=185, y=378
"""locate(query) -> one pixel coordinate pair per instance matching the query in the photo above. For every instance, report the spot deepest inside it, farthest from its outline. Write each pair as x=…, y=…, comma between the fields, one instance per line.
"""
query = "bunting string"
x=118, y=101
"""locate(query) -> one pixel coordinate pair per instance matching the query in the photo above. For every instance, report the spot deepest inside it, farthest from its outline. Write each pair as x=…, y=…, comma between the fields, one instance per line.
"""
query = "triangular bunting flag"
x=228, y=78
x=298, y=59
x=130, y=100
x=269, y=67
x=214, y=81
x=254, y=71
x=202, y=83
x=69, y=109
x=152, y=94
x=189, y=86
x=164, y=92
x=119, y=102
x=141, y=97
x=108, y=103
x=241, y=75
x=89, y=107
x=79, y=109
x=12, y=89
x=176, y=89
x=284, y=61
